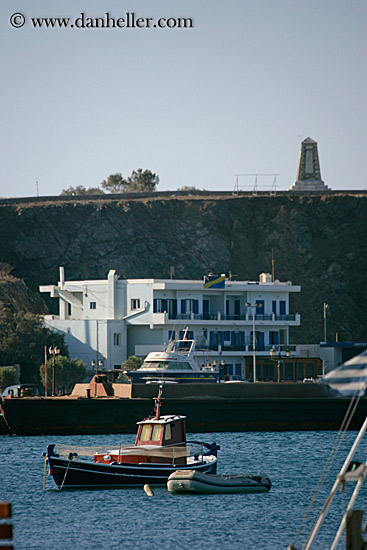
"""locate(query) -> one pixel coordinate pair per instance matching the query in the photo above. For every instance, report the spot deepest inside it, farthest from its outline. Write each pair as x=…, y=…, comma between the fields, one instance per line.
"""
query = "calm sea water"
x=129, y=519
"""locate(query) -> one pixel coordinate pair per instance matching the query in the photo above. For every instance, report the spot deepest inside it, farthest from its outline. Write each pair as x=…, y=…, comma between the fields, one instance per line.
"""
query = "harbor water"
x=130, y=519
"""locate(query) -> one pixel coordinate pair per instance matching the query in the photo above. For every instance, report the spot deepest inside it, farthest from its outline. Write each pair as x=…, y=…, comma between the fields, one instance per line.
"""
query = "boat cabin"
x=157, y=440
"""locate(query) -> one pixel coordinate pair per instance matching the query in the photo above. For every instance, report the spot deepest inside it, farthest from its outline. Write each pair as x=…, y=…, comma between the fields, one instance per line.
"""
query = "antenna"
x=37, y=190
x=272, y=265
x=171, y=271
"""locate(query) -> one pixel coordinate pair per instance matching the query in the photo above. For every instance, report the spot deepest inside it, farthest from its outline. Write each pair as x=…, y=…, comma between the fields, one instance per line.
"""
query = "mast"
x=157, y=406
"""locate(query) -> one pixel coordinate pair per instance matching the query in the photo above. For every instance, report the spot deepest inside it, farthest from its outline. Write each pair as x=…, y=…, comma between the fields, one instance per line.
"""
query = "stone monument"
x=309, y=174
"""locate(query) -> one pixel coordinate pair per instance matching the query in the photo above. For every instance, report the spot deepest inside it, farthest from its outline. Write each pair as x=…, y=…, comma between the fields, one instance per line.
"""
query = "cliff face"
x=318, y=242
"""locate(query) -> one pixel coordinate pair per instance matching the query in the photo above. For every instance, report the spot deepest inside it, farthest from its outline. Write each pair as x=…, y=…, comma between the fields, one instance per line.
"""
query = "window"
x=135, y=303
x=167, y=432
x=161, y=305
x=69, y=309
x=189, y=306
x=145, y=432
x=156, y=434
x=92, y=305
x=117, y=339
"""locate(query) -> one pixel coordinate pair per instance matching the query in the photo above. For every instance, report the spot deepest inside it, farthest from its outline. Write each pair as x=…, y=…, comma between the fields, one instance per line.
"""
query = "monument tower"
x=309, y=174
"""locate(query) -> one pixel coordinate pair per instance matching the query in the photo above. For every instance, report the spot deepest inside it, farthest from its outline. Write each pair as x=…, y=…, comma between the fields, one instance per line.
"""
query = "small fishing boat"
x=159, y=450
x=175, y=364
x=192, y=481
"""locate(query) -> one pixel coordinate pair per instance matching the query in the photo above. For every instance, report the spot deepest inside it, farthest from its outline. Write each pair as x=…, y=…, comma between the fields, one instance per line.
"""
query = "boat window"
x=145, y=432
x=179, y=365
x=167, y=432
x=154, y=365
x=156, y=434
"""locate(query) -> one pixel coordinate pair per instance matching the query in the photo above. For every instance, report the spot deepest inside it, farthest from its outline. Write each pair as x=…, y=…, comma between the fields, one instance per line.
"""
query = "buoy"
x=148, y=490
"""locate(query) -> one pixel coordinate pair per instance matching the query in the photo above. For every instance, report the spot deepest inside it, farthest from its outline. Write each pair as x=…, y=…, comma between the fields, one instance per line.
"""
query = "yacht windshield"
x=165, y=365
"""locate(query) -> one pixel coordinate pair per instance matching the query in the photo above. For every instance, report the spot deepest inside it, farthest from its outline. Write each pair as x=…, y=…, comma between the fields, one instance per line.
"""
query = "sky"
x=235, y=93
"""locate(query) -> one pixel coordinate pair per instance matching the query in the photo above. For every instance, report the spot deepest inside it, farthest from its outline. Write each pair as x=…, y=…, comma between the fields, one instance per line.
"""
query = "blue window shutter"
x=174, y=308
x=155, y=305
x=237, y=307
x=260, y=307
x=205, y=306
x=164, y=305
x=282, y=307
x=261, y=341
x=242, y=338
x=274, y=307
x=227, y=307
x=183, y=306
x=196, y=306
x=213, y=339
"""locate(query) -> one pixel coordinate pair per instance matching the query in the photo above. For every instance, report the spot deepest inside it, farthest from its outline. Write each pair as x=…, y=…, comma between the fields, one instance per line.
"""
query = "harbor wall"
x=236, y=390
x=71, y=416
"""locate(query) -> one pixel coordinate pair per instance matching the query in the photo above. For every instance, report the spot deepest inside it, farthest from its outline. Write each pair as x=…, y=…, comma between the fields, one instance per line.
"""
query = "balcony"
x=263, y=350
x=165, y=318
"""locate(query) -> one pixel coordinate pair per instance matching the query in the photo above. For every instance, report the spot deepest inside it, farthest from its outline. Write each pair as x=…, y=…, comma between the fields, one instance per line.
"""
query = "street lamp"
x=278, y=360
x=253, y=307
x=95, y=365
x=215, y=364
x=223, y=367
x=53, y=350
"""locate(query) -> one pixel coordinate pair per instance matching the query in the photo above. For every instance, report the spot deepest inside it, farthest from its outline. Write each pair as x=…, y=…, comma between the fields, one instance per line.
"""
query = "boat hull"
x=196, y=482
x=75, y=474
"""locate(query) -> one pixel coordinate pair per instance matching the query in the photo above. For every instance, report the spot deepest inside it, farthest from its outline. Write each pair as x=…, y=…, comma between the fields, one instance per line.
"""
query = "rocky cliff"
x=318, y=242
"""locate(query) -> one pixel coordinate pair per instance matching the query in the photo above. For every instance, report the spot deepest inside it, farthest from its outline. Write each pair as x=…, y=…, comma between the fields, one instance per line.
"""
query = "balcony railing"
x=247, y=348
x=222, y=317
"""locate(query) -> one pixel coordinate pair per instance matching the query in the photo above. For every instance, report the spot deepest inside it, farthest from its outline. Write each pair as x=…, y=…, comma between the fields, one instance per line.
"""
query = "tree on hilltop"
x=115, y=183
x=139, y=182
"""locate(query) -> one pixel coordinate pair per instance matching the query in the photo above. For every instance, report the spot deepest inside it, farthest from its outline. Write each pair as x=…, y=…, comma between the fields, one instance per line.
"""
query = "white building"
x=109, y=320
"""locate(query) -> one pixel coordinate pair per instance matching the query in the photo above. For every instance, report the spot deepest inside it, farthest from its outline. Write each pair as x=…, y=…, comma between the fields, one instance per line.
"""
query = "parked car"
x=22, y=390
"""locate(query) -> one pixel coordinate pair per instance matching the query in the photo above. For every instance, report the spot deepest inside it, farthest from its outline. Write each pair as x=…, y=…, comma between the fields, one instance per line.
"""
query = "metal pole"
x=321, y=517
x=53, y=373
x=46, y=371
x=325, y=308
x=253, y=344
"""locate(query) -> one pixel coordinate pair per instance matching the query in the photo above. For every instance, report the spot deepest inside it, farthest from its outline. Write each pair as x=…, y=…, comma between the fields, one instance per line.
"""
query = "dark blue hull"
x=79, y=473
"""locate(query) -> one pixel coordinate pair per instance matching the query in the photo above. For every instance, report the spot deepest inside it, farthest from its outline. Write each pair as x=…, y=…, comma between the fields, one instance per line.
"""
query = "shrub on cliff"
x=23, y=338
x=81, y=190
x=67, y=373
x=139, y=182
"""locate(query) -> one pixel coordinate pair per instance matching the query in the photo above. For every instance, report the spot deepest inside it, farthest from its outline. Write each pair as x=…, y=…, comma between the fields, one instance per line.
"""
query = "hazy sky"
x=237, y=93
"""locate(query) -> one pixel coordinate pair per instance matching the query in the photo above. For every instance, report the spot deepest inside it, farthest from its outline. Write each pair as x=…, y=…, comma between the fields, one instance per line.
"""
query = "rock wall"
x=318, y=242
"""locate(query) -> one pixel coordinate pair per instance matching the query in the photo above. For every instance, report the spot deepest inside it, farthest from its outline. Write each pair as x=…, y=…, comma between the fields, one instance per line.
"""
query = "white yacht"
x=175, y=364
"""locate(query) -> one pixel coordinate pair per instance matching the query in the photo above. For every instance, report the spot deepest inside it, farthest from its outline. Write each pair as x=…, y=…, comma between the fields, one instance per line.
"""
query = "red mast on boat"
x=157, y=406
